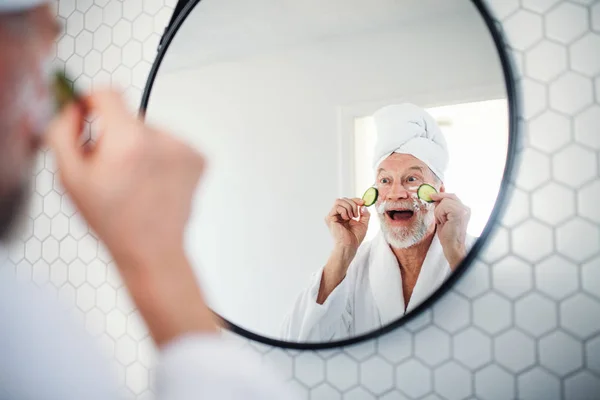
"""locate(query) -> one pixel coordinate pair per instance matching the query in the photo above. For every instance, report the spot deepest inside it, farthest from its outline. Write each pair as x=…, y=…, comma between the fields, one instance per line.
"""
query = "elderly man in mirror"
x=364, y=286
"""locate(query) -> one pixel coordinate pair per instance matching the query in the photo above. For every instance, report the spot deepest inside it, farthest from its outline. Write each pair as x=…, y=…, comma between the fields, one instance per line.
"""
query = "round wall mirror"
x=358, y=153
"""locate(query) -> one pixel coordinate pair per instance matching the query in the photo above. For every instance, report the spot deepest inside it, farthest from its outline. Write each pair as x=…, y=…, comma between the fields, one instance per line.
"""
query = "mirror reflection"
x=355, y=153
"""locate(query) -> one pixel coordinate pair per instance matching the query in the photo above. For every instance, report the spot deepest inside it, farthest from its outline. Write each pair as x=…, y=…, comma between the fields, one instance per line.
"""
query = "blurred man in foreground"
x=118, y=186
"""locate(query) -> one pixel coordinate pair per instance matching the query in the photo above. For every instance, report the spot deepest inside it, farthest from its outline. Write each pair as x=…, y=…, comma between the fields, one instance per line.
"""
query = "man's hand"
x=348, y=222
x=452, y=218
x=134, y=187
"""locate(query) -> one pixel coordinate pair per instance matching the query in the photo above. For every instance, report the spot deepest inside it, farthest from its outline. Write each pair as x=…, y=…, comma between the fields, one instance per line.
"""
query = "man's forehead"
x=401, y=162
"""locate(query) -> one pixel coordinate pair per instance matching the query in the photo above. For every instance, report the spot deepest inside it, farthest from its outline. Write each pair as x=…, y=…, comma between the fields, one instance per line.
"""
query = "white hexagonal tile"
x=125, y=350
x=280, y=361
x=534, y=169
x=52, y=204
x=517, y=209
x=124, y=302
x=325, y=392
x=143, y=27
x=539, y=6
x=452, y=381
x=95, y=322
x=560, y=353
x=84, y=43
x=153, y=6
x=495, y=248
x=41, y=227
x=571, y=93
x=93, y=18
x=113, y=277
x=147, y=352
x=413, y=378
x=505, y=354
x=58, y=273
x=106, y=298
x=556, y=277
x=121, y=76
x=36, y=205
x=582, y=386
x=472, y=348
x=566, y=22
x=41, y=272
x=475, y=281
x=132, y=9
x=535, y=97
x=309, y=369
x=50, y=249
x=395, y=346
x=101, y=80
x=395, y=395
x=586, y=127
x=67, y=295
x=74, y=24
x=65, y=47
x=536, y=315
x=76, y=273
x=590, y=277
x=102, y=38
x=121, y=33
x=92, y=63
x=574, y=165
x=16, y=252
x=24, y=271
x=74, y=66
x=136, y=378
x=585, y=55
x=523, y=29
x=112, y=13
x=86, y=297
x=432, y=346
x=87, y=248
x=592, y=351
x=377, y=375
x=68, y=249
x=358, y=394
x=116, y=324
x=43, y=182
x=538, y=384
x=361, y=351
x=492, y=313
x=96, y=273
x=140, y=74
x=549, y=131
x=136, y=327
x=26, y=229
x=493, y=383
x=575, y=315
x=33, y=250
x=84, y=5
x=66, y=8
x=111, y=58
x=532, y=241
x=451, y=313
x=578, y=239
x=132, y=54
x=150, y=47
x=553, y=203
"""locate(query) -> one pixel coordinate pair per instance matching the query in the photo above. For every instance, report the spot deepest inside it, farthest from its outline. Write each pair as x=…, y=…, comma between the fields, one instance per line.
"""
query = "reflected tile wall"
x=523, y=323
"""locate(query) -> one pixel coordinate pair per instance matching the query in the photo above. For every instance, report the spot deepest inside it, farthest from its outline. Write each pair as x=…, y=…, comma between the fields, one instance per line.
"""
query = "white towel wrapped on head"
x=408, y=129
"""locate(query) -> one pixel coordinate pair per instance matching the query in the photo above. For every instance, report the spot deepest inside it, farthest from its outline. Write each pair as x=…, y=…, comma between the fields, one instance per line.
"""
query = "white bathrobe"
x=369, y=297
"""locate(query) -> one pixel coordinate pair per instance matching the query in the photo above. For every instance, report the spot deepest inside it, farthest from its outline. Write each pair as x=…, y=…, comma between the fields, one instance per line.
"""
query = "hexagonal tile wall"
x=517, y=325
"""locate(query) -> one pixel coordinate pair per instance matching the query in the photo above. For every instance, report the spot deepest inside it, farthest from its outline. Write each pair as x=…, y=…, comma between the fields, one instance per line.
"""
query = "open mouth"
x=400, y=215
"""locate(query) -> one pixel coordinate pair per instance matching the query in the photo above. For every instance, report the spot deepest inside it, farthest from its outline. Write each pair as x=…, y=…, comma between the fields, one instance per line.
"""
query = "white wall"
x=268, y=126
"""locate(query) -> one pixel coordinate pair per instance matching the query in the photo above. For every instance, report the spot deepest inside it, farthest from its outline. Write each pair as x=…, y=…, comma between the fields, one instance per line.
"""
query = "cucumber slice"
x=370, y=196
x=425, y=191
x=64, y=92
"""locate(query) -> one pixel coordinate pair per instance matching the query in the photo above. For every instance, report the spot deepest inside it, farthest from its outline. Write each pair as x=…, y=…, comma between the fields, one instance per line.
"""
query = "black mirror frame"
x=185, y=7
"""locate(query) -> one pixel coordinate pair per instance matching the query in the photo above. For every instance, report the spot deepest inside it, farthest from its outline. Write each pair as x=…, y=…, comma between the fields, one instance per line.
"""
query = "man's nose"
x=398, y=192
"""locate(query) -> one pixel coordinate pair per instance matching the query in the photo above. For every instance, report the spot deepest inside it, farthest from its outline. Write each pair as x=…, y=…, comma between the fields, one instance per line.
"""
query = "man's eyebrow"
x=416, y=168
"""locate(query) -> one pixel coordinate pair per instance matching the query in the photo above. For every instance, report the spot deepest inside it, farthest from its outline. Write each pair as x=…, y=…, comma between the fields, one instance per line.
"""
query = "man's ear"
x=442, y=188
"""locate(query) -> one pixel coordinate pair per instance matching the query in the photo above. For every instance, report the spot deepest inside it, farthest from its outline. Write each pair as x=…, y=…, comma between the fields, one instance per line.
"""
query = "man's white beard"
x=404, y=237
